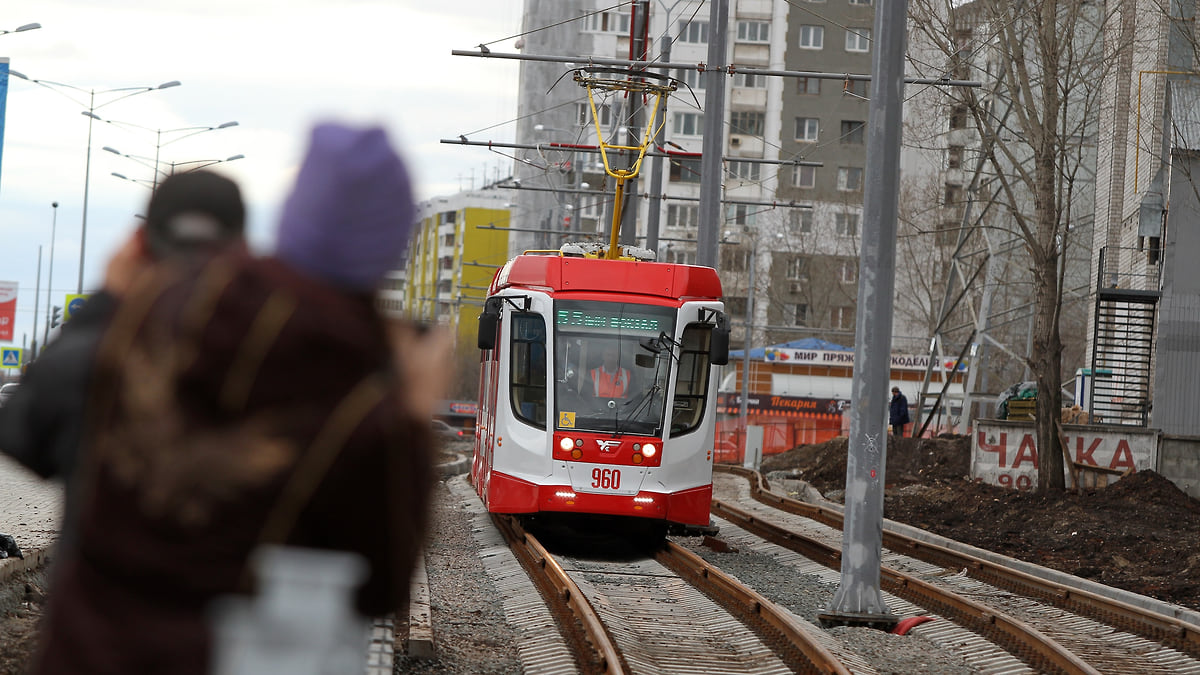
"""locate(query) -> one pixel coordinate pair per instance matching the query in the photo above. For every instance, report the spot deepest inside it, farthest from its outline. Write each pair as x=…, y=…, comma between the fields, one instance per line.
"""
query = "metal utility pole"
x=50, y=273
x=37, y=291
x=858, y=600
x=639, y=29
x=710, y=214
x=656, y=178
x=744, y=404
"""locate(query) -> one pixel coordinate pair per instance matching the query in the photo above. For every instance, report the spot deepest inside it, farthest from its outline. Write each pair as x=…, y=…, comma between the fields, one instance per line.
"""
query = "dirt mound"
x=1141, y=533
x=909, y=460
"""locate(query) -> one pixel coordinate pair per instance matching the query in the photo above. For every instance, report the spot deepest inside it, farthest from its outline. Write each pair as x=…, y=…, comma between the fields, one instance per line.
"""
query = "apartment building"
x=458, y=244
x=1144, y=326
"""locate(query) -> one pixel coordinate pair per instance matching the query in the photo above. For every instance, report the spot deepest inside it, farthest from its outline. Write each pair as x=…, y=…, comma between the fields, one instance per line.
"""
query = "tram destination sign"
x=622, y=321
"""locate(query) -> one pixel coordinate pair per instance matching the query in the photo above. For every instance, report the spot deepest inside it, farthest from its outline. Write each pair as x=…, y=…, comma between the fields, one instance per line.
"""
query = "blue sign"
x=10, y=357
x=74, y=302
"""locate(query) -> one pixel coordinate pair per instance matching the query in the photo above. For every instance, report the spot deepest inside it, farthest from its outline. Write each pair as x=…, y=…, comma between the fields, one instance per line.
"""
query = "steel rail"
x=1021, y=639
x=547, y=572
x=1152, y=625
x=748, y=601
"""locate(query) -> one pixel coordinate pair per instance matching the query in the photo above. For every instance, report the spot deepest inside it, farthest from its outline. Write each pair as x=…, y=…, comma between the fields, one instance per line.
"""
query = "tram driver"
x=609, y=379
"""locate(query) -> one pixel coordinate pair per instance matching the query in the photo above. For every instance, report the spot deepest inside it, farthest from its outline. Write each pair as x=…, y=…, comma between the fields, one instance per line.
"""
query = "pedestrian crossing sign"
x=10, y=357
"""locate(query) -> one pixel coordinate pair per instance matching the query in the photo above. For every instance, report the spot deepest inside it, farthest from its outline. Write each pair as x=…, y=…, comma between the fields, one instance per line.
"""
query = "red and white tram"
x=598, y=386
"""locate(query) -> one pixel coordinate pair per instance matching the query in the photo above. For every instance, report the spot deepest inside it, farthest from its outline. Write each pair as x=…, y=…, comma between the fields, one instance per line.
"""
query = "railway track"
x=1051, y=626
x=671, y=613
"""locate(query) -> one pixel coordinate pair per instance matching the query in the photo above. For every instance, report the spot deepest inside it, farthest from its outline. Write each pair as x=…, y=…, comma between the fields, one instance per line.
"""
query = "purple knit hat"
x=348, y=217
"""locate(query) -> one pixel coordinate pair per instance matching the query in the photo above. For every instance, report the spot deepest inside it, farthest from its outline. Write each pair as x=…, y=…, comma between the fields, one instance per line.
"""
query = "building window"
x=741, y=214
x=735, y=306
x=848, y=271
x=841, y=317
x=855, y=88
x=954, y=194
x=812, y=37
x=683, y=215
x=694, y=32
x=958, y=117
x=807, y=129
x=606, y=22
x=685, y=170
x=747, y=171
x=954, y=157
x=746, y=122
x=734, y=260
x=583, y=114
x=688, y=124
x=692, y=78
x=753, y=31
x=800, y=221
x=853, y=131
x=804, y=177
x=797, y=268
x=448, y=239
x=800, y=315
x=846, y=224
x=808, y=86
x=680, y=257
x=849, y=178
x=750, y=81
x=858, y=39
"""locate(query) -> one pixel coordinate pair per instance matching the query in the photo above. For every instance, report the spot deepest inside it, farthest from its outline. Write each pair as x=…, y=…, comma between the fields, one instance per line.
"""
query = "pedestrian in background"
x=898, y=412
x=250, y=402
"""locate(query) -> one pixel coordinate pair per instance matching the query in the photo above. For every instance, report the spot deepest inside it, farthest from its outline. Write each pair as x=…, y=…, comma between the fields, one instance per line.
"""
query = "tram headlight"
x=566, y=444
x=649, y=450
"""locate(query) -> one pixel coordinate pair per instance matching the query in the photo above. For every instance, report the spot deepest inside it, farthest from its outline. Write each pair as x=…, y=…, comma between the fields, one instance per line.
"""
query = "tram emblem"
x=608, y=446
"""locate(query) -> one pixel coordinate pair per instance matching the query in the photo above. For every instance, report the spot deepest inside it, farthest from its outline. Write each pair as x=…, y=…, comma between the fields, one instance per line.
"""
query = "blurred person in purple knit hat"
x=249, y=402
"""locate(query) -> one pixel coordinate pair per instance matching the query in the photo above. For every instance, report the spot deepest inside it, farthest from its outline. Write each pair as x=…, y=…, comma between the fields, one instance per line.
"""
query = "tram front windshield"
x=602, y=384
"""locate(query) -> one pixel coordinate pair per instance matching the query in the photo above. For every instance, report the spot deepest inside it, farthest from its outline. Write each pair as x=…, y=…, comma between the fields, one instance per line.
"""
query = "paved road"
x=30, y=508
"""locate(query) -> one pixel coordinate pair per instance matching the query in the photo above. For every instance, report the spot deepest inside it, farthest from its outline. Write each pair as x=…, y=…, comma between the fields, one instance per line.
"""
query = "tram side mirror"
x=718, y=353
x=489, y=319
x=644, y=361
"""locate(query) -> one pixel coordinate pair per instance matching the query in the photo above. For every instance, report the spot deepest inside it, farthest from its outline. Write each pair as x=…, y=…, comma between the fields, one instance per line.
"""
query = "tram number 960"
x=606, y=479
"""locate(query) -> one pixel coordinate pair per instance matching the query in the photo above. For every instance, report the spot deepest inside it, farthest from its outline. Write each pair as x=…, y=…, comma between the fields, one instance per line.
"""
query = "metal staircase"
x=1122, y=352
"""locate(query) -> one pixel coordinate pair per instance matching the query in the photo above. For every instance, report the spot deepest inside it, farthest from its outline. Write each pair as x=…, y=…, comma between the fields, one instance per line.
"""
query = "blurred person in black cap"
x=189, y=215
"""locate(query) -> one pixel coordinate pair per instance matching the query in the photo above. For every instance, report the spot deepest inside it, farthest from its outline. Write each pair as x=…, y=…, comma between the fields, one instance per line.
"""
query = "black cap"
x=194, y=211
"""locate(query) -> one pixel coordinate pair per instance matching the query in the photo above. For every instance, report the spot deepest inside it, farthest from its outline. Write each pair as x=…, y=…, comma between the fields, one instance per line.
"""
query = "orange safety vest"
x=610, y=385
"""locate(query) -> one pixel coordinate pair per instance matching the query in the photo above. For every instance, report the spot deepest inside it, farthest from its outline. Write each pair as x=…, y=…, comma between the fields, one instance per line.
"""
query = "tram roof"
x=567, y=273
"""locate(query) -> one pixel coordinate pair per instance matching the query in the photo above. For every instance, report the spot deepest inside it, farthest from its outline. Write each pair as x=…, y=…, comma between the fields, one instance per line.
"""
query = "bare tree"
x=1037, y=133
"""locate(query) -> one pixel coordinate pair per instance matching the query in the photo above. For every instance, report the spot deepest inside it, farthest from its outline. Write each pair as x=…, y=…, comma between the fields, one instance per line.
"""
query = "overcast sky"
x=274, y=66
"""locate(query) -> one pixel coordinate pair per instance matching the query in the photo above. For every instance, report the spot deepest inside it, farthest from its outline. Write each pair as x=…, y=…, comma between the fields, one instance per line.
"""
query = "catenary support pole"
x=709, y=230
x=858, y=600
x=656, y=174
x=638, y=46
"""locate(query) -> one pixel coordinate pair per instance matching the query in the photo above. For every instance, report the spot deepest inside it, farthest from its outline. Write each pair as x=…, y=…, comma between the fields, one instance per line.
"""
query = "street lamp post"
x=153, y=184
x=50, y=274
x=37, y=293
x=22, y=29
x=90, y=113
x=159, y=142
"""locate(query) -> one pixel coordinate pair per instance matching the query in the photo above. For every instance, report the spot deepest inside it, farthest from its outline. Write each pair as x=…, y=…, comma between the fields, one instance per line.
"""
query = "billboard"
x=8, y=309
